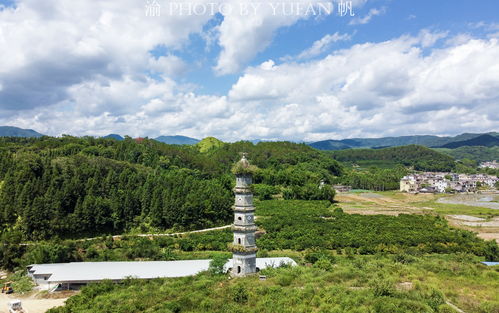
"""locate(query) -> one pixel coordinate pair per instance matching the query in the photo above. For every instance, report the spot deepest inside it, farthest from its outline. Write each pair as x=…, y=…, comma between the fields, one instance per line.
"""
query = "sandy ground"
x=30, y=303
x=399, y=203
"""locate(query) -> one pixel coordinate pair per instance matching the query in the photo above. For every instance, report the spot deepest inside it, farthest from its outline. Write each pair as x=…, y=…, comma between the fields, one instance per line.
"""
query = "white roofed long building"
x=72, y=275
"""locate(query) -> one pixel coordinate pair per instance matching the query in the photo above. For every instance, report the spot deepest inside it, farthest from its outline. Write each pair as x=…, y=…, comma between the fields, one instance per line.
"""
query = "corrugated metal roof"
x=96, y=271
x=42, y=269
x=491, y=263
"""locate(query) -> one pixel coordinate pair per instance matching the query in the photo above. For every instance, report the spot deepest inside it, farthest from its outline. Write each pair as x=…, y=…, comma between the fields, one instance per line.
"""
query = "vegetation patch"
x=351, y=284
x=300, y=225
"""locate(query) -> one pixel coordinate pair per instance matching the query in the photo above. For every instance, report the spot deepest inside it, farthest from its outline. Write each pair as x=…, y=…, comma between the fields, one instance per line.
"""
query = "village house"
x=493, y=165
x=442, y=182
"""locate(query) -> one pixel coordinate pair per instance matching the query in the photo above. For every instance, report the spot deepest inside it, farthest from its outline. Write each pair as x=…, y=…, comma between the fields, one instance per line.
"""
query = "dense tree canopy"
x=419, y=157
x=74, y=187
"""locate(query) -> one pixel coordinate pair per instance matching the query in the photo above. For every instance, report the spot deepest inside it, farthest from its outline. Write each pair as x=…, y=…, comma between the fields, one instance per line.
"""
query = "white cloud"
x=48, y=46
x=372, y=89
x=429, y=38
x=321, y=45
x=167, y=66
x=366, y=19
x=388, y=88
x=241, y=37
x=267, y=65
x=79, y=67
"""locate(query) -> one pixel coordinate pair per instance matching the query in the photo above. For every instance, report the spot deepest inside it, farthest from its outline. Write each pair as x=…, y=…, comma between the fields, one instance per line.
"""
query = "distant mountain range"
x=490, y=139
x=466, y=139
x=11, y=131
x=177, y=140
x=171, y=140
x=114, y=136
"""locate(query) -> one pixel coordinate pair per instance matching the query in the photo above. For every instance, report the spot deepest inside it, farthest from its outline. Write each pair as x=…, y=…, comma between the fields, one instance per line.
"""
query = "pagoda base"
x=244, y=264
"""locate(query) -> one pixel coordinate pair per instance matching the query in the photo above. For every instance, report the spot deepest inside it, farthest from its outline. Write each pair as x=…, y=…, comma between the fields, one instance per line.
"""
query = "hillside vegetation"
x=475, y=153
x=419, y=157
x=356, y=264
x=360, y=284
x=299, y=225
x=209, y=144
x=76, y=187
x=306, y=226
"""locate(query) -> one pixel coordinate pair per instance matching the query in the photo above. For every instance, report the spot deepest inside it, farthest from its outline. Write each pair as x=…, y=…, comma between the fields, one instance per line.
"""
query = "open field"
x=481, y=220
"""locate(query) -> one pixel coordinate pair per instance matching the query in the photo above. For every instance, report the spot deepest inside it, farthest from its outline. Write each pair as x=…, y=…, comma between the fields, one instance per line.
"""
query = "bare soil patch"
x=33, y=303
x=466, y=218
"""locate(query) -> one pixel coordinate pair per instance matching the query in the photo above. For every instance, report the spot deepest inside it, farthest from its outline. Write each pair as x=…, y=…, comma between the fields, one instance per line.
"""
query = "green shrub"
x=21, y=283
x=403, y=258
x=239, y=294
x=324, y=264
x=382, y=287
x=263, y=191
x=217, y=264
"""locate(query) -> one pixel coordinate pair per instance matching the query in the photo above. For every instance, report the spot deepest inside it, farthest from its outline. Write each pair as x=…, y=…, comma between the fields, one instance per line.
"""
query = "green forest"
x=419, y=157
x=475, y=153
x=78, y=187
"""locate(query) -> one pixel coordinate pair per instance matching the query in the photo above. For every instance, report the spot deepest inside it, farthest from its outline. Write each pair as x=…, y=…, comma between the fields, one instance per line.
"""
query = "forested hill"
x=483, y=140
x=421, y=158
x=75, y=187
x=476, y=153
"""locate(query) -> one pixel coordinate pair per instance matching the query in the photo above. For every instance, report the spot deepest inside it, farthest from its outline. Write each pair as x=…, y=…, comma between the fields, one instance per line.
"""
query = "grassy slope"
x=351, y=284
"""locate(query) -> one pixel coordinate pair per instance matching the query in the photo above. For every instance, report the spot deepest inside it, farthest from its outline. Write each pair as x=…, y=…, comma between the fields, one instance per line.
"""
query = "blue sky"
x=395, y=68
x=398, y=18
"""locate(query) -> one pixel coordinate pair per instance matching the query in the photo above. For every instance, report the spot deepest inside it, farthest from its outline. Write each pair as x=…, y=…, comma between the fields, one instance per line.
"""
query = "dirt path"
x=31, y=303
x=150, y=235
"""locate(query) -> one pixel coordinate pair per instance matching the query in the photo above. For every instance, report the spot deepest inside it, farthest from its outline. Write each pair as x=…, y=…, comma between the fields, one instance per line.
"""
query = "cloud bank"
x=86, y=69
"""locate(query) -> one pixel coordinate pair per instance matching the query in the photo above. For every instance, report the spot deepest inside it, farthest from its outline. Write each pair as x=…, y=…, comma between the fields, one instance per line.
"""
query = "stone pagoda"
x=244, y=246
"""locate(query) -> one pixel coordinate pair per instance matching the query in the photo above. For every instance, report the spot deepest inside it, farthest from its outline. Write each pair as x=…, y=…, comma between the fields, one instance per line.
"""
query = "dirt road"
x=117, y=237
x=31, y=303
